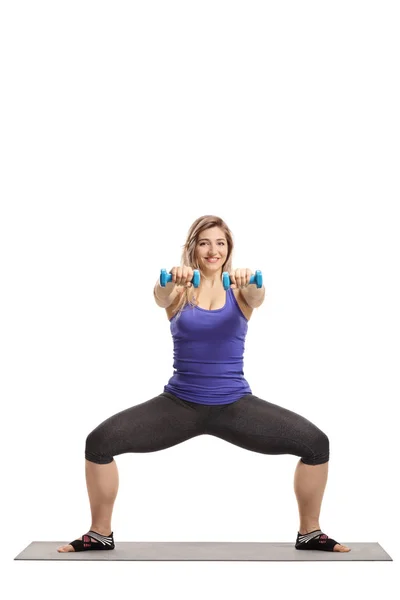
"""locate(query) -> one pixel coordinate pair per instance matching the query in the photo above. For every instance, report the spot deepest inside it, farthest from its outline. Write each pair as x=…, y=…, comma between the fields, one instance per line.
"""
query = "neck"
x=210, y=280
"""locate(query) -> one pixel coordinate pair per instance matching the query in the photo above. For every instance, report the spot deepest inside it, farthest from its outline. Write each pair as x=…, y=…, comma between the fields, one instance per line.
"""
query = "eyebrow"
x=218, y=240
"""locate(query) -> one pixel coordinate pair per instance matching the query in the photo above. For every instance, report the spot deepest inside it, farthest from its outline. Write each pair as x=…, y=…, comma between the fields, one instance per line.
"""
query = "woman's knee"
x=95, y=450
x=318, y=449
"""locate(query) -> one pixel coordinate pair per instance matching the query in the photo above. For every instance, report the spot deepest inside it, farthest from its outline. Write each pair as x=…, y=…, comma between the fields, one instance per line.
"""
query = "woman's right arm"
x=181, y=278
x=164, y=296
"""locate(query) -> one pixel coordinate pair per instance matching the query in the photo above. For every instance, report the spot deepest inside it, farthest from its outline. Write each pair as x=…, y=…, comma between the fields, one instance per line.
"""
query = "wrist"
x=162, y=293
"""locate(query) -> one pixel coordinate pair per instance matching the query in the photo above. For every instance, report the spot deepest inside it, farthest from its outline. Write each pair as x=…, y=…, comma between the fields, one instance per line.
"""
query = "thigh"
x=156, y=424
x=261, y=426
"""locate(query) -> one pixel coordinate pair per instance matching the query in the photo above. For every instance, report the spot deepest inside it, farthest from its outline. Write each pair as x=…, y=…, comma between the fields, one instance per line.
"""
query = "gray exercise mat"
x=210, y=551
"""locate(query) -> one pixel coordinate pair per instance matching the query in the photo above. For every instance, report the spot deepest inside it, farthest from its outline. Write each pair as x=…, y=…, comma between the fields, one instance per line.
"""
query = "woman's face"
x=211, y=243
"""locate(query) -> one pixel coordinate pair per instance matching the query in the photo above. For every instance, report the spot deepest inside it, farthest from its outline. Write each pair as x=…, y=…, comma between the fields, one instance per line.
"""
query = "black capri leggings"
x=167, y=420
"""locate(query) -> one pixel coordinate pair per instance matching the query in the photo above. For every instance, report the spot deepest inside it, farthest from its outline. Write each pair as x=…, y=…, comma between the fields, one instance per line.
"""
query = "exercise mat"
x=209, y=551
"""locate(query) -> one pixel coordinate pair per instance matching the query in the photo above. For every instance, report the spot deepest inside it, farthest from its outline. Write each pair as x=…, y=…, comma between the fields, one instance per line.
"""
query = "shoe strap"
x=106, y=540
x=303, y=539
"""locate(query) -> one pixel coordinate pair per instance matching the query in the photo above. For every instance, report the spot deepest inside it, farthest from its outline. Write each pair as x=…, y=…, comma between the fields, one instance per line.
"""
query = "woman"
x=207, y=393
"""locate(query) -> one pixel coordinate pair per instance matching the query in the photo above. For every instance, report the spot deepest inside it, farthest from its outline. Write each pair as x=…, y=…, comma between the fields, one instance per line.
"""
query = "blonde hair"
x=188, y=257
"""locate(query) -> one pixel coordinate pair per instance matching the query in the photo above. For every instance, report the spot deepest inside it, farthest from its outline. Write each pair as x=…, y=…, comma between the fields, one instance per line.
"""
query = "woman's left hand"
x=240, y=278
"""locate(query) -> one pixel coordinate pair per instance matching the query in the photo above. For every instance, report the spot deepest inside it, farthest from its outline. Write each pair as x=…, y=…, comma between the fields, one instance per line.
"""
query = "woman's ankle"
x=308, y=529
x=101, y=529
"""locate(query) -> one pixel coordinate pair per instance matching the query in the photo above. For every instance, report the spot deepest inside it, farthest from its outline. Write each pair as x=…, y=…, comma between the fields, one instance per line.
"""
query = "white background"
x=122, y=123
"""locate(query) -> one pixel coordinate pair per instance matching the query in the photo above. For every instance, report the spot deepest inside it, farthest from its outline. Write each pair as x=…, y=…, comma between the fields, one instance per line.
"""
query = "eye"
x=202, y=243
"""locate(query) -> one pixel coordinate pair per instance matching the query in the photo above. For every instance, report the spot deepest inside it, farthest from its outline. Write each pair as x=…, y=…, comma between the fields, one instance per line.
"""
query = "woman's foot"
x=92, y=540
x=316, y=540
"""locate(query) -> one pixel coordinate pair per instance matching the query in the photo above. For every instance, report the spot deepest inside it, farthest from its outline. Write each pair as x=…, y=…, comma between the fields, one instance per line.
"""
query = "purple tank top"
x=208, y=354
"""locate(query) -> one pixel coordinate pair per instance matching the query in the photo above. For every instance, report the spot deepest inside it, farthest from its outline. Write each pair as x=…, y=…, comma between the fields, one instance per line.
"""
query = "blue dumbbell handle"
x=257, y=279
x=167, y=277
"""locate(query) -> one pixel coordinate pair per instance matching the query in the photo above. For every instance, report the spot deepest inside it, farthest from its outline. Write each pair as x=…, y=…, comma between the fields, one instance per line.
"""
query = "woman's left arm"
x=252, y=295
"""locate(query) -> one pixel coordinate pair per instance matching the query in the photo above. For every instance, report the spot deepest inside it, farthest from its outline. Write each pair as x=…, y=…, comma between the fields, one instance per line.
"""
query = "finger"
x=239, y=277
x=189, y=276
x=244, y=277
x=184, y=279
x=245, y=282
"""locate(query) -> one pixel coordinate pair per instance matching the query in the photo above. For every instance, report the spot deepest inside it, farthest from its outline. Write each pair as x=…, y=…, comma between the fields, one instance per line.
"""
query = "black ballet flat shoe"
x=315, y=540
x=103, y=542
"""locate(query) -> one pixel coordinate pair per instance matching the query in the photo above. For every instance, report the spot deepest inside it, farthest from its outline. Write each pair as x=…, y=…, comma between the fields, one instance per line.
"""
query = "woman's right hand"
x=182, y=276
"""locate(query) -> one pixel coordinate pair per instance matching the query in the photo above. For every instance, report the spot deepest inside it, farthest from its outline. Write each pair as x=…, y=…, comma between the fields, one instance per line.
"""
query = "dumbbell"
x=257, y=279
x=167, y=277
